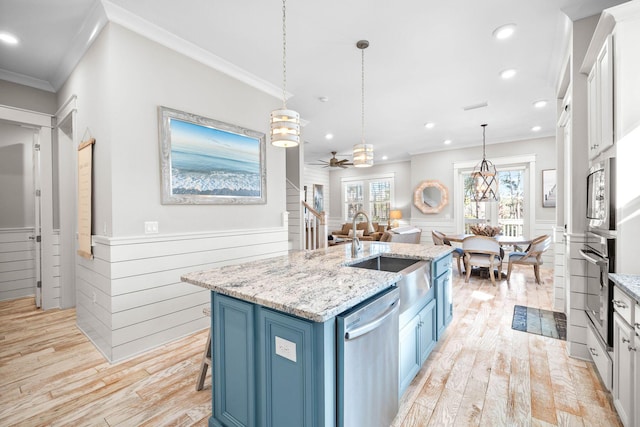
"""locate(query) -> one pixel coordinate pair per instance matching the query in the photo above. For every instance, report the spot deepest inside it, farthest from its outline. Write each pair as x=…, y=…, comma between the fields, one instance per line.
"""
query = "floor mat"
x=542, y=322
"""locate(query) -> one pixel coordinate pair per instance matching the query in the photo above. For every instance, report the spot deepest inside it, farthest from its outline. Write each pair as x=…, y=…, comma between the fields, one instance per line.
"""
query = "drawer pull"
x=631, y=348
x=637, y=325
x=593, y=351
x=619, y=304
x=626, y=341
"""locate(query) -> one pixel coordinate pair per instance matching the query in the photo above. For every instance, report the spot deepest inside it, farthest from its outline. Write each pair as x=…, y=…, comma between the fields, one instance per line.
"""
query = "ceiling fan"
x=334, y=162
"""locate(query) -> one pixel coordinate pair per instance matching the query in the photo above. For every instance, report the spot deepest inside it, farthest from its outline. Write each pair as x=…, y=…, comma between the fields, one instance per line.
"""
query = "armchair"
x=482, y=251
x=532, y=256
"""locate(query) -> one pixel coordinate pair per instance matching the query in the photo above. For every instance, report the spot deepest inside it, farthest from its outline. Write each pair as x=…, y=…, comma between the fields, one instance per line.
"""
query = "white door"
x=37, y=229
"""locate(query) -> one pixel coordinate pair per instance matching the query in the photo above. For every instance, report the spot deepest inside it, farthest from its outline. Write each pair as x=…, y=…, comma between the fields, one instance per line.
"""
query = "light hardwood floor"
x=481, y=373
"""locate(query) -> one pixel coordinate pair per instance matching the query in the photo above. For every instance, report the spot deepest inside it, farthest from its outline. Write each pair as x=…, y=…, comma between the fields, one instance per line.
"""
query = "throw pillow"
x=359, y=233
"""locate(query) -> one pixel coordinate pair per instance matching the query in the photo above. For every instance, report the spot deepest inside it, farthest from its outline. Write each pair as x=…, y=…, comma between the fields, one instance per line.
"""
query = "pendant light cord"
x=362, y=95
x=484, y=129
x=284, y=54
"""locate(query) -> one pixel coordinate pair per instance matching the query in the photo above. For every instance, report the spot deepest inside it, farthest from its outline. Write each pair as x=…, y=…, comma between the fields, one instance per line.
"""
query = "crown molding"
x=159, y=35
x=21, y=79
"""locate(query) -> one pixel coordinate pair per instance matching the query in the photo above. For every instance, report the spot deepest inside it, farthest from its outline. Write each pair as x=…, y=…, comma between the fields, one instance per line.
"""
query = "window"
x=372, y=195
x=516, y=186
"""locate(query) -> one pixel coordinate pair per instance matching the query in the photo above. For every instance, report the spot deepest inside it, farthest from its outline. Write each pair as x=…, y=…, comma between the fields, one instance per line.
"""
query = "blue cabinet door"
x=427, y=331
x=442, y=282
x=234, y=387
x=409, y=361
x=286, y=371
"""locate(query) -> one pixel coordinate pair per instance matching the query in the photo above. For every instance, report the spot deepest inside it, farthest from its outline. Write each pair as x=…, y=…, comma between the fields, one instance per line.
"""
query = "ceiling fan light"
x=285, y=128
x=363, y=155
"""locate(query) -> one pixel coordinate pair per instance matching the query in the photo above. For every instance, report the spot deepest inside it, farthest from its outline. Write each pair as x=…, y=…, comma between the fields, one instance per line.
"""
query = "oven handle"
x=600, y=262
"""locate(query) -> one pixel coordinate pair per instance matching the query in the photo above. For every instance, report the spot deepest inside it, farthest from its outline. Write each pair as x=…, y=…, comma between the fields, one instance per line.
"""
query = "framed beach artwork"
x=549, y=188
x=318, y=197
x=205, y=161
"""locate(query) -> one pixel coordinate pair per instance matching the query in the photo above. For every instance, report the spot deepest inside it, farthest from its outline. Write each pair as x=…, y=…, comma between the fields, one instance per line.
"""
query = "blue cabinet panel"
x=234, y=363
x=286, y=385
x=442, y=284
x=427, y=330
x=409, y=361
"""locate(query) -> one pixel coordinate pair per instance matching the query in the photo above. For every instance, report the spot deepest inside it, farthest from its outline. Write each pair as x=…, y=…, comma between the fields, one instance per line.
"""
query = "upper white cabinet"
x=600, y=100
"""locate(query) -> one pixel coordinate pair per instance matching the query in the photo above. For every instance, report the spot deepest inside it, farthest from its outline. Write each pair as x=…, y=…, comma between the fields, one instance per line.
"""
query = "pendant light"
x=485, y=177
x=362, y=153
x=285, y=123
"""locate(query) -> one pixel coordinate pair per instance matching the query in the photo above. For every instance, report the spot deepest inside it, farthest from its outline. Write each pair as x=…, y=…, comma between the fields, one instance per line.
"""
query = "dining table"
x=515, y=241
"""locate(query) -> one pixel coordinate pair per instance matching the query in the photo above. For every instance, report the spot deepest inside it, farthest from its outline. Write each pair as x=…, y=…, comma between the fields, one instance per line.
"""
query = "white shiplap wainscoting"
x=130, y=298
x=559, y=295
x=575, y=294
x=55, y=284
x=17, y=268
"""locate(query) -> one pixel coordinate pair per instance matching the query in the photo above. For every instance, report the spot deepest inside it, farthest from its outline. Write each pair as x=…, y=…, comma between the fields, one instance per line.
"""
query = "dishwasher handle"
x=368, y=327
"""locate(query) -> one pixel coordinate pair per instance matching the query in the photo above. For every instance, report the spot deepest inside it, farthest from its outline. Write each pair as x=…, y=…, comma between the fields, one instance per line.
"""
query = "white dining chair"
x=482, y=251
x=532, y=256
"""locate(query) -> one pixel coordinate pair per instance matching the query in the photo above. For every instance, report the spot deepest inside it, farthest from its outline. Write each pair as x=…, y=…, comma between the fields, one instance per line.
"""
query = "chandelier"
x=485, y=177
x=362, y=153
x=285, y=123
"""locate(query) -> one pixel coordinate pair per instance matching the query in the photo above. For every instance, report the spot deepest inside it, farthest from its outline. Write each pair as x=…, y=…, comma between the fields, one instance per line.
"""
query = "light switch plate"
x=286, y=349
x=151, y=227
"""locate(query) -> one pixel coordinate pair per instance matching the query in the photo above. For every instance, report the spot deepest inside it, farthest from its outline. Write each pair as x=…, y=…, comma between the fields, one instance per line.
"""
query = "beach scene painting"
x=207, y=161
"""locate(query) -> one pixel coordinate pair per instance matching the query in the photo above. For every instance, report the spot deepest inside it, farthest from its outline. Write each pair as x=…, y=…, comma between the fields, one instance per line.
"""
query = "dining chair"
x=440, y=240
x=482, y=251
x=532, y=256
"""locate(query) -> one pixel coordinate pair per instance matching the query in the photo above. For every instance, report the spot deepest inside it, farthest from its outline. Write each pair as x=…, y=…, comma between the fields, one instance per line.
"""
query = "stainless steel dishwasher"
x=368, y=362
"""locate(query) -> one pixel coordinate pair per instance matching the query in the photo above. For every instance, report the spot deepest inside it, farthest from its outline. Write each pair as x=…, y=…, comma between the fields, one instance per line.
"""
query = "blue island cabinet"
x=442, y=280
x=270, y=368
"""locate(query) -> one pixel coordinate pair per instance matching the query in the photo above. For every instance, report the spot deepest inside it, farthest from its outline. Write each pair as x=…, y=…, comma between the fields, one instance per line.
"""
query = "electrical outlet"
x=151, y=227
x=286, y=349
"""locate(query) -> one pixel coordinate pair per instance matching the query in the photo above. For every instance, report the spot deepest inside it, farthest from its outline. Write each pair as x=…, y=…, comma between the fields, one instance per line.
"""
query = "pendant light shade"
x=485, y=177
x=285, y=128
x=285, y=123
x=362, y=153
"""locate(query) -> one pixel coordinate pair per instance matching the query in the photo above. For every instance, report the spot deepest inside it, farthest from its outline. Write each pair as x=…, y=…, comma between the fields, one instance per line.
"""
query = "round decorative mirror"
x=430, y=196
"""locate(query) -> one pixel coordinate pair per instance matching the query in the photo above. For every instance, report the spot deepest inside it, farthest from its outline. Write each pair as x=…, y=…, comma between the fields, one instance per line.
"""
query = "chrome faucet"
x=356, y=244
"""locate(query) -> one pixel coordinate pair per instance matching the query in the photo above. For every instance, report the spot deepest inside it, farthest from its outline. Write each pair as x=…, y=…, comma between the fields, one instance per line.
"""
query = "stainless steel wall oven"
x=599, y=252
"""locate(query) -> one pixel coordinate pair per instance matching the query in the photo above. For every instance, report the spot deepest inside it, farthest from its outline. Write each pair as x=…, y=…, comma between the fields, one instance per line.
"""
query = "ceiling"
x=426, y=61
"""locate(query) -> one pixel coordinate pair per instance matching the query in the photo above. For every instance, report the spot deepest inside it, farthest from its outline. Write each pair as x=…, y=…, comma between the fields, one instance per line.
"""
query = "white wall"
x=27, y=98
x=403, y=191
x=439, y=166
x=130, y=297
x=16, y=176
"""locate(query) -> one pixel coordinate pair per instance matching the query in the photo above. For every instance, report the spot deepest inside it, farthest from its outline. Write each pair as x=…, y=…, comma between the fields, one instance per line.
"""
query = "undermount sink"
x=385, y=263
x=415, y=282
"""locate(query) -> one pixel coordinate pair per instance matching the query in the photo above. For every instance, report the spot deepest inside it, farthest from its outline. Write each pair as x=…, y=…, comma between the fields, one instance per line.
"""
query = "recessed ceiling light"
x=323, y=99
x=328, y=136
x=536, y=129
x=447, y=141
x=8, y=38
x=429, y=125
x=540, y=104
x=504, y=32
x=507, y=74
x=385, y=157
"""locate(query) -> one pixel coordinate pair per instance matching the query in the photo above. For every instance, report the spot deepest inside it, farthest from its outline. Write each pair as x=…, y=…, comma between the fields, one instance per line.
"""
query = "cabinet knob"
x=637, y=325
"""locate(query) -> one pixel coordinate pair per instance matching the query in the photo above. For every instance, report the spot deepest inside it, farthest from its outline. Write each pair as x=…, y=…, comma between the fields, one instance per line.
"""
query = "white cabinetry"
x=636, y=346
x=600, y=100
x=624, y=357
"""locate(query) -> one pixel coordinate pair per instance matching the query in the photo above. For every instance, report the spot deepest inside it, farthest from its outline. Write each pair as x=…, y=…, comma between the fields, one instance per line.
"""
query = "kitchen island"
x=274, y=329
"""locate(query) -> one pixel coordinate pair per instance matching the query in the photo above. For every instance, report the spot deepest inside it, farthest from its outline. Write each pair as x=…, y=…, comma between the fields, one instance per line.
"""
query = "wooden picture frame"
x=206, y=161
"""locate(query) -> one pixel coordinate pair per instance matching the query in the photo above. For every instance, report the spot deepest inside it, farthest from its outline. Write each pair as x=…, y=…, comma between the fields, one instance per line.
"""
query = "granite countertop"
x=315, y=285
x=629, y=283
